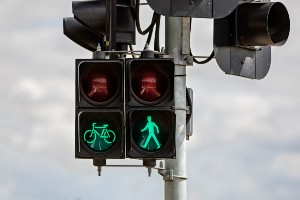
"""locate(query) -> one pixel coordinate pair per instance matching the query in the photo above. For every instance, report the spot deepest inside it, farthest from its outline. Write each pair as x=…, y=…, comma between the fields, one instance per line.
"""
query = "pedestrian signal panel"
x=150, y=115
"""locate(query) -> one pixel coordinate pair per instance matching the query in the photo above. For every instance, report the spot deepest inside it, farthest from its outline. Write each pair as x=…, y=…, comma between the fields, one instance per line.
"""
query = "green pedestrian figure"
x=150, y=126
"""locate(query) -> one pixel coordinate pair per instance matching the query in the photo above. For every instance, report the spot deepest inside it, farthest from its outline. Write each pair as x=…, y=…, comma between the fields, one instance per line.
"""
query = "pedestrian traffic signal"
x=151, y=119
x=243, y=39
x=150, y=82
x=151, y=133
x=99, y=109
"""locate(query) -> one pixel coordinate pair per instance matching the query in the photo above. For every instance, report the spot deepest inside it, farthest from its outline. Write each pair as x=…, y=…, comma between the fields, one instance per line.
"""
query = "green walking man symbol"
x=150, y=126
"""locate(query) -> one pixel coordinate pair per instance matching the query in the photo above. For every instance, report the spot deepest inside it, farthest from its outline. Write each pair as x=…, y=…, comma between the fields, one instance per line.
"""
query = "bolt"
x=98, y=47
x=99, y=170
x=149, y=172
x=161, y=165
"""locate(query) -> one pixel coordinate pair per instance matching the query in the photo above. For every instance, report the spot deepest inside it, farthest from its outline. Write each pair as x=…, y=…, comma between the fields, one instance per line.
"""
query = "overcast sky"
x=246, y=142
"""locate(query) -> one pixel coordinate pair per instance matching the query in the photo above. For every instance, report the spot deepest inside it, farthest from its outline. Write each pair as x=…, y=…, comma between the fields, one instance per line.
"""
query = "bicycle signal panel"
x=99, y=134
x=99, y=109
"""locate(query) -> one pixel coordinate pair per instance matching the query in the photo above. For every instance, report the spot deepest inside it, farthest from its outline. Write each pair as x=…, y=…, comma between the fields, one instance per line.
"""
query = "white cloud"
x=6, y=190
x=27, y=89
x=287, y=164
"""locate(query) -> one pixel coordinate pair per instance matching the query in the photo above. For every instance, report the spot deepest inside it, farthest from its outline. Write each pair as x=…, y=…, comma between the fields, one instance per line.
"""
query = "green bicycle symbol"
x=108, y=135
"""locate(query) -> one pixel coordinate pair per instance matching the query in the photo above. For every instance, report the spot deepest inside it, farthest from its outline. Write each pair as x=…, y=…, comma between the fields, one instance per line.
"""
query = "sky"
x=246, y=136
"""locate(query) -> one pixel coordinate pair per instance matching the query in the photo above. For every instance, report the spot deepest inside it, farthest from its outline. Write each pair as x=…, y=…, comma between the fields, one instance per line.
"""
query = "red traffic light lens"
x=149, y=83
x=99, y=87
x=99, y=83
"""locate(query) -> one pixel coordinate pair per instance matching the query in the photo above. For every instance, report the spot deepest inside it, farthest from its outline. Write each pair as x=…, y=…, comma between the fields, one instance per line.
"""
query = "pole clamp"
x=168, y=175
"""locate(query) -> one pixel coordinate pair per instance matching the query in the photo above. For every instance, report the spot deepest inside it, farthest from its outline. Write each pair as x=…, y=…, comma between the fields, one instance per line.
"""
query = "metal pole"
x=175, y=43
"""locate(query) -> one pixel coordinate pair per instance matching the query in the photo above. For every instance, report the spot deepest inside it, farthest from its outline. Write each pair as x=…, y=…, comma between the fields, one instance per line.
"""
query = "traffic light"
x=99, y=109
x=243, y=39
x=109, y=23
x=151, y=120
x=81, y=34
x=194, y=8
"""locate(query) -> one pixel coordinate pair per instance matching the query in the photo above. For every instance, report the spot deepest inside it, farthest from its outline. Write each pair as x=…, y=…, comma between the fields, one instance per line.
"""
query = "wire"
x=149, y=37
x=156, y=39
x=138, y=25
x=212, y=55
x=154, y=22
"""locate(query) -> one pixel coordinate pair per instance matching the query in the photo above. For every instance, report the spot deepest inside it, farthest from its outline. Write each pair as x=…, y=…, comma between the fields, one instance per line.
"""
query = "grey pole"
x=175, y=189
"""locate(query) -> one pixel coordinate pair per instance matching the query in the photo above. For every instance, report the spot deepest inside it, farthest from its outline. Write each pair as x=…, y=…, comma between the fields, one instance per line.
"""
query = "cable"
x=212, y=55
x=154, y=22
x=156, y=39
x=138, y=25
x=149, y=37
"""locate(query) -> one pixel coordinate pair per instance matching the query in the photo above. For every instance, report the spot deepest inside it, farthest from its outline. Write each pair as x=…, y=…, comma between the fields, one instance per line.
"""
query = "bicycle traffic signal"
x=99, y=109
x=243, y=39
x=151, y=119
